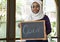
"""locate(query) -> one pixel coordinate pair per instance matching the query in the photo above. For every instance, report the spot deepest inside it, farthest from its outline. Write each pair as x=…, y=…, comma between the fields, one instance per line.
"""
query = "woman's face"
x=35, y=7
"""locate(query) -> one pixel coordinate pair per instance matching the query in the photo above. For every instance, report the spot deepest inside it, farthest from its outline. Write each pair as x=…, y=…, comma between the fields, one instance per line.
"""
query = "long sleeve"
x=48, y=25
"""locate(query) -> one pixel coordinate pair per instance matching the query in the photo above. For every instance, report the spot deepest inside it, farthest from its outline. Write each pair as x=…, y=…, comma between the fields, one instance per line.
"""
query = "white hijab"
x=30, y=16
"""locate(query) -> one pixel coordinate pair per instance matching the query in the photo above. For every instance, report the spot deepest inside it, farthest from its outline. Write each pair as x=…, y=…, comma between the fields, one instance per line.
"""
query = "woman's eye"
x=38, y=6
x=33, y=6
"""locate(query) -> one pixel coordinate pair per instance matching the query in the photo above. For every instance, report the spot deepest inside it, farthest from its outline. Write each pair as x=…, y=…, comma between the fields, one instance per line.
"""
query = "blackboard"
x=33, y=30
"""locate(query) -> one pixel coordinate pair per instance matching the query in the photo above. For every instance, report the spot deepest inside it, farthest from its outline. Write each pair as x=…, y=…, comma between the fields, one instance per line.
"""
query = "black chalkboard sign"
x=33, y=30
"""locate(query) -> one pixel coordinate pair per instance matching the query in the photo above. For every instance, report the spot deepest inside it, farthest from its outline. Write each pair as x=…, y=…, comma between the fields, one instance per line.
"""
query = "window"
x=7, y=25
x=51, y=11
x=3, y=19
x=3, y=14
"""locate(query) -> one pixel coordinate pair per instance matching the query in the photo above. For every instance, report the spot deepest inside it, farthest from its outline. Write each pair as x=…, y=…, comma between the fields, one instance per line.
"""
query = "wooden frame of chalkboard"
x=33, y=30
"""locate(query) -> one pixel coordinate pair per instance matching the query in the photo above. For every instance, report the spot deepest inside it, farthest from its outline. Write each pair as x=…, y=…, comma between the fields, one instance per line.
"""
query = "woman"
x=36, y=13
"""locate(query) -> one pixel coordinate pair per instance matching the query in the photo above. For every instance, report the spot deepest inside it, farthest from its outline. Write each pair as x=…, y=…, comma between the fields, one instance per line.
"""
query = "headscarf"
x=29, y=15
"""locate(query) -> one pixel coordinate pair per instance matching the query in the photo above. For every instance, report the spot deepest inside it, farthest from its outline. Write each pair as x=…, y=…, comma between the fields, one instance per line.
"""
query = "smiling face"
x=35, y=7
